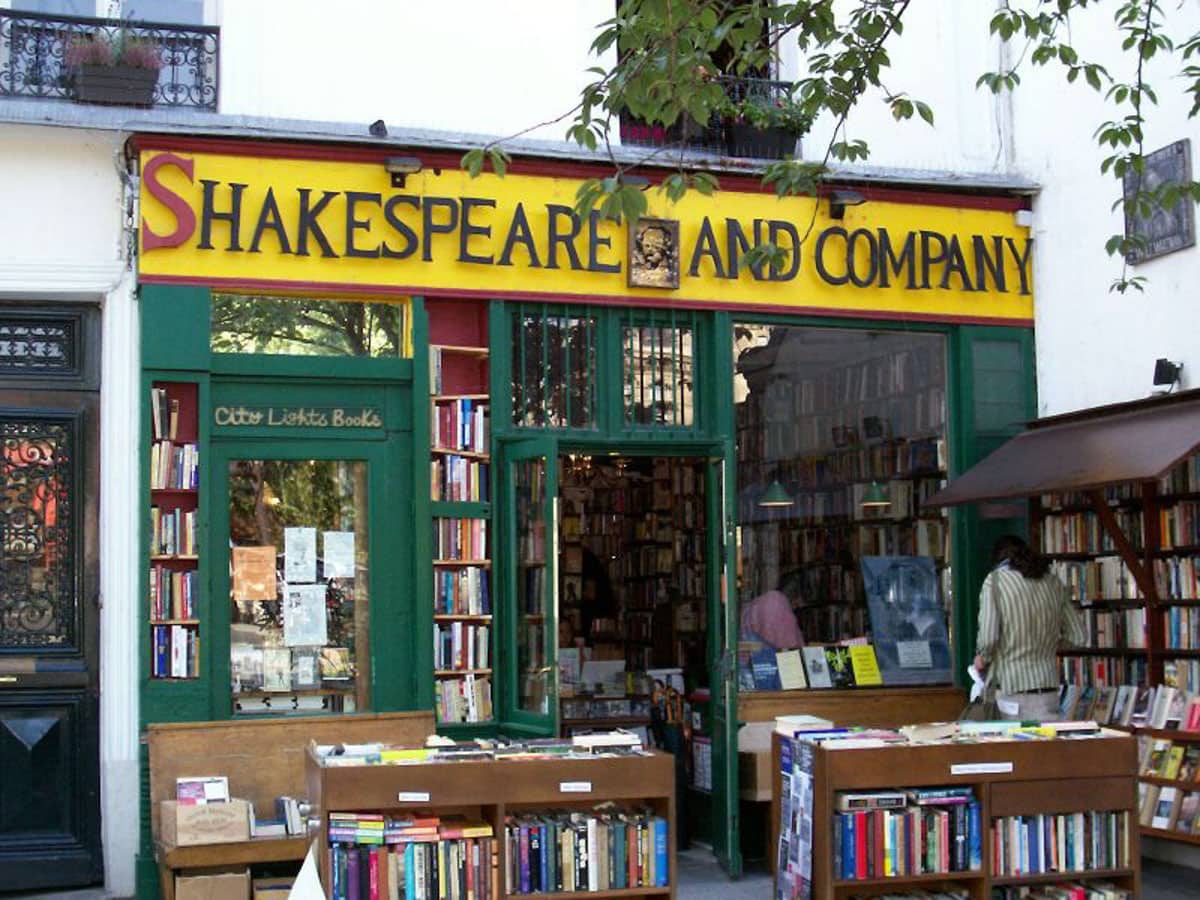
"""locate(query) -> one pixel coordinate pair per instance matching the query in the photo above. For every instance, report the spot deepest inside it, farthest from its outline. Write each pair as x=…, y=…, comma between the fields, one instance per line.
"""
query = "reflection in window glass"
x=840, y=436
x=306, y=326
x=534, y=591
x=554, y=369
x=298, y=585
x=658, y=364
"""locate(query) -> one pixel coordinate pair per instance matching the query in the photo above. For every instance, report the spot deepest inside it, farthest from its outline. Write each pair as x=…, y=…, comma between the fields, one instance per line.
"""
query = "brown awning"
x=1083, y=450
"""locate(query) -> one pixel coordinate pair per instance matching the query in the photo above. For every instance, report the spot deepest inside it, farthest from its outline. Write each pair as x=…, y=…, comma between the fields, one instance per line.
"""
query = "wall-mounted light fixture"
x=775, y=496
x=1167, y=373
x=401, y=167
x=876, y=497
x=840, y=199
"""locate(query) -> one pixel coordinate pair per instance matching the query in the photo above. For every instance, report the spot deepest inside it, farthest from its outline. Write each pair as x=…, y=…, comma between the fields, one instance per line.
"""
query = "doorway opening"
x=633, y=636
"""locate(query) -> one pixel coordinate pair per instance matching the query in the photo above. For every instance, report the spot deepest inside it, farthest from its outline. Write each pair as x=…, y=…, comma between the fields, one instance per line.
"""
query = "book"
x=1174, y=760
x=841, y=673
x=791, y=670
x=1189, y=811
x=197, y=791
x=865, y=665
x=816, y=667
x=847, y=800
x=1165, y=808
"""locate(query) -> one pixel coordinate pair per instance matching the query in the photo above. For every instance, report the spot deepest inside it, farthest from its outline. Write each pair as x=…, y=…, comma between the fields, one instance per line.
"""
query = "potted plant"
x=117, y=69
x=763, y=127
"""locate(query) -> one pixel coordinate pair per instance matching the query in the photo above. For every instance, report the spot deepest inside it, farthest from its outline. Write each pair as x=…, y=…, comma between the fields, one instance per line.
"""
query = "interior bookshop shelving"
x=1140, y=667
x=460, y=484
x=174, y=589
x=537, y=820
x=840, y=437
x=945, y=808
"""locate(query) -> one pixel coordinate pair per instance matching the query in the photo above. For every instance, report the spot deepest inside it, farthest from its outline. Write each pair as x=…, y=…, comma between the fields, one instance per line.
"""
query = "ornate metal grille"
x=39, y=346
x=37, y=591
x=33, y=49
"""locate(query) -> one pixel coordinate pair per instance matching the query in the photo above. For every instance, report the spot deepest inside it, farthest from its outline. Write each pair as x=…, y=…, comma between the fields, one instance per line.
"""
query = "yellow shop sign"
x=301, y=225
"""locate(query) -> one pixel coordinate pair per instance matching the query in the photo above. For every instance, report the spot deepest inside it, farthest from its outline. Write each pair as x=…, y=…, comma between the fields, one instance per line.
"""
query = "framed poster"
x=908, y=622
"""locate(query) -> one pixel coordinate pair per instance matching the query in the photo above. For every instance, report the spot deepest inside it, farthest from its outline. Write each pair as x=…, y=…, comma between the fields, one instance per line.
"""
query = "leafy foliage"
x=671, y=54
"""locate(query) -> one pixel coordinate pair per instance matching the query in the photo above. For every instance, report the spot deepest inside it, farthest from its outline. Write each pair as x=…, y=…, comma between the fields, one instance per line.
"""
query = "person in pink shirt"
x=770, y=618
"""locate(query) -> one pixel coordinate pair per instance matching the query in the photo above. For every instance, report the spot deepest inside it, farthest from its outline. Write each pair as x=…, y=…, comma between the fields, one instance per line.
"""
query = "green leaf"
x=925, y=112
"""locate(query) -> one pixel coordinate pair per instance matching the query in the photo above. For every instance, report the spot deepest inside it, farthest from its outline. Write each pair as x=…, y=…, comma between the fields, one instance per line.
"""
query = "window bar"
x=543, y=372
x=568, y=380
x=676, y=345
x=521, y=391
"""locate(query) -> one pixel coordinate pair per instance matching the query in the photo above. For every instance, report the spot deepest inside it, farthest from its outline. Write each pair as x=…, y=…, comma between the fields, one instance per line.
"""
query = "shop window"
x=840, y=436
x=554, y=367
x=298, y=585
x=658, y=365
x=307, y=326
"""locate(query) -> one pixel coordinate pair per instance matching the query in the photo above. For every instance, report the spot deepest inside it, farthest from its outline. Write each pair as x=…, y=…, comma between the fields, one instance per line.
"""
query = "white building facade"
x=480, y=68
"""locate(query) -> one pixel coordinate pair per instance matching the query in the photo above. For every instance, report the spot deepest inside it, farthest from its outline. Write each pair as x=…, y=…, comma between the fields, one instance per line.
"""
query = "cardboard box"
x=208, y=823
x=221, y=886
x=272, y=888
x=755, y=778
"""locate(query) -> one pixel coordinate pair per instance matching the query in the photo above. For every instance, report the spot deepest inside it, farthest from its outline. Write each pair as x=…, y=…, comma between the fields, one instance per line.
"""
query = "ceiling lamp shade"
x=876, y=497
x=775, y=497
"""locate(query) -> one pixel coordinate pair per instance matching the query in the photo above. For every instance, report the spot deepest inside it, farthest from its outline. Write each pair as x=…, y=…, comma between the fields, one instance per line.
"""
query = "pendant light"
x=876, y=497
x=775, y=497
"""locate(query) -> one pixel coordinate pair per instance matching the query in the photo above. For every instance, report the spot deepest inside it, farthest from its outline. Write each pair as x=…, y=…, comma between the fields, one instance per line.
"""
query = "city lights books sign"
x=235, y=220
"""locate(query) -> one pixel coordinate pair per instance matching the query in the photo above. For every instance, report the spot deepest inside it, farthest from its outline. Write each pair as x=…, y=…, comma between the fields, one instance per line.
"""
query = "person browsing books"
x=1025, y=614
x=770, y=618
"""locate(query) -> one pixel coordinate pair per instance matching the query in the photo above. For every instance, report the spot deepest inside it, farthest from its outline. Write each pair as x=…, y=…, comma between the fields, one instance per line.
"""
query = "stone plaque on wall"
x=1167, y=229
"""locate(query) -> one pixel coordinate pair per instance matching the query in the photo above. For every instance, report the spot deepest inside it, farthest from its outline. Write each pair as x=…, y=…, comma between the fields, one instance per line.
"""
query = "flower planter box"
x=115, y=85
x=760, y=143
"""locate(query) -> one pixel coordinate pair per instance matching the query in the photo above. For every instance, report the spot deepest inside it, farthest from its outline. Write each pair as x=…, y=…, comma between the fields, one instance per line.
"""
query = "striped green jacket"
x=1022, y=622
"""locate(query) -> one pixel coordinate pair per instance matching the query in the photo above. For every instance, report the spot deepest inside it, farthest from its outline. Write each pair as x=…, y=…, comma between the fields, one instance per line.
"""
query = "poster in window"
x=254, y=573
x=908, y=623
x=304, y=619
x=338, y=561
x=299, y=555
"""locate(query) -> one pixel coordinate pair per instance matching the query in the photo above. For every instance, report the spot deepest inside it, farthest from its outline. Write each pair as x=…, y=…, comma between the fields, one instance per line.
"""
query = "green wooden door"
x=722, y=646
x=332, y=487
x=529, y=592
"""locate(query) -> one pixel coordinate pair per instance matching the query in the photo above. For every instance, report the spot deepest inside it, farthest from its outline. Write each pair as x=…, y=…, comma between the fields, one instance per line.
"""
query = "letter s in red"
x=185, y=218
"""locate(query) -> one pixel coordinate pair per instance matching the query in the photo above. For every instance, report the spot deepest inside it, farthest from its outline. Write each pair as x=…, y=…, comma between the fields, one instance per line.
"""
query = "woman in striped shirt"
x=1025, y=614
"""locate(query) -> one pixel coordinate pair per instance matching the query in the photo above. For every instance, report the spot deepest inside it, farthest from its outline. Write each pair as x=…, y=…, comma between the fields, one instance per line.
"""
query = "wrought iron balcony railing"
x=33, y=51
x=708, y=136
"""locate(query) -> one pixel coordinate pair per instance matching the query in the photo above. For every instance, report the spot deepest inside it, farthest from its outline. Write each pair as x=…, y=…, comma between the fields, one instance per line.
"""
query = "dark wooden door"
x=49, y=616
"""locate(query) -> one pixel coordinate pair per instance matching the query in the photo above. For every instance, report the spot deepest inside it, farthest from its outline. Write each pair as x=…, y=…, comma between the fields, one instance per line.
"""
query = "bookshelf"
x=460, y=493
x=830, y=429
x=1018, y=786
x=174, y=586
x=501, y=795
x=1129, y=557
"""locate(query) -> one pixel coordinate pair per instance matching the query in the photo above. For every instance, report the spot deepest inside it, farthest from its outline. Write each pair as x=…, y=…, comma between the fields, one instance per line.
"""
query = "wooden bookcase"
x=1136, y=534
x=490, y=790
x=461, y=484
x=174, y=584
x=1010, y=778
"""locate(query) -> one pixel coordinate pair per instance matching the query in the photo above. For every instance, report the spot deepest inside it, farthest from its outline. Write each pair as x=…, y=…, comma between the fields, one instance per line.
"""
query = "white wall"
x=61, y=240
x=474, y=65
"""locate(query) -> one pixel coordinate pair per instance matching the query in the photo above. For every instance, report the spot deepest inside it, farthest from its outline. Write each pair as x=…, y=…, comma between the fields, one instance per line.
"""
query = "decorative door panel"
x=48, y=832
x=38, y=595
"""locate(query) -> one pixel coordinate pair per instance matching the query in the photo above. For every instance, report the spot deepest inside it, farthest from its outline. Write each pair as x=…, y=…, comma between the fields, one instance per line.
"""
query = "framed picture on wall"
x=908, y=623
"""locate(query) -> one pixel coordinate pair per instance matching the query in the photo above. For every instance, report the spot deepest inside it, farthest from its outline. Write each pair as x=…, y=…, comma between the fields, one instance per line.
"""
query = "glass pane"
x=658, y=368
x=840, y=435
x=298, y=585
x=533, y=589
x=37, y=571
x=306, y=326
x=554, y=370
